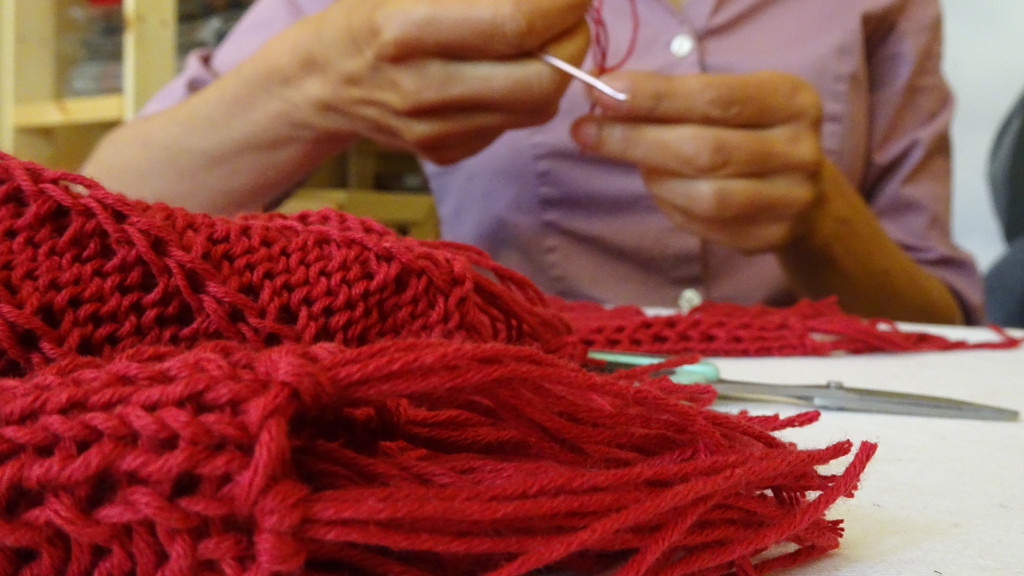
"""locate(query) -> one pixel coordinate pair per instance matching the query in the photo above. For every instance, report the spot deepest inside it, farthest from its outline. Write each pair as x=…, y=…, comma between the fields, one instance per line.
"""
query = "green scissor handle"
x=696, y=373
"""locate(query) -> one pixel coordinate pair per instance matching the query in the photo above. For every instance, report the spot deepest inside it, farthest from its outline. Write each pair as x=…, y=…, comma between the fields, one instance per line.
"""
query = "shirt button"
x=682, y=45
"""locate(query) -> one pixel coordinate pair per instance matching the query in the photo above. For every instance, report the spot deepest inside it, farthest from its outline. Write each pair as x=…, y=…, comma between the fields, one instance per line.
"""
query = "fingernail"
x=585, y=133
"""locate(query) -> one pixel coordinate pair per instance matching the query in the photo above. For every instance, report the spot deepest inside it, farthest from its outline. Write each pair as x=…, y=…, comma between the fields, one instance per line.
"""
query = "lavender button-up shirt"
x=587, y=229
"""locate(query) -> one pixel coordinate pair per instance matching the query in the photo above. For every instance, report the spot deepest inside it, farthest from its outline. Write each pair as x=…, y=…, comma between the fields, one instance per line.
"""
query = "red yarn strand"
x=601, y=40
x=550, y=505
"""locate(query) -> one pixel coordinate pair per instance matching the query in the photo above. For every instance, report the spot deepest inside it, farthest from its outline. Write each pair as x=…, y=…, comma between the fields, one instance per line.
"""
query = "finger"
x=443, y=138
x=739, y=100
x=750, y=238
x=571, y=46
x=694, y=150
x=429, y=84
x=734, y=201
x=474, y=29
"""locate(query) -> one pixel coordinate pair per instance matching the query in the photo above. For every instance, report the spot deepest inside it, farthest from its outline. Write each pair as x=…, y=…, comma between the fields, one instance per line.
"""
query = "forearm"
x=844, y=251
x=229, y=148
x=441, y=79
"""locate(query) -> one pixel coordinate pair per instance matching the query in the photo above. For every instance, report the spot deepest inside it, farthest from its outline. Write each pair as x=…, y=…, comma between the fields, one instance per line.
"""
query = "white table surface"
x=941, y=497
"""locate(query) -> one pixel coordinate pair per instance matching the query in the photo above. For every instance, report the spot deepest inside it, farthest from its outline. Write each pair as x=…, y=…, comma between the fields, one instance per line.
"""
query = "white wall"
x=984, y=64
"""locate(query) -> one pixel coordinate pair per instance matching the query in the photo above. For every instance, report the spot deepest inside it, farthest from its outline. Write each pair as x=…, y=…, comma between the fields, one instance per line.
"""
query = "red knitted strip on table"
x=808, y=328
x=410, y=457
x=98, y=273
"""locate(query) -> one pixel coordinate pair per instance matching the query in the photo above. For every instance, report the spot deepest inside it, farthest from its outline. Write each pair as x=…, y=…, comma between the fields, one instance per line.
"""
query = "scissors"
x=831, y=396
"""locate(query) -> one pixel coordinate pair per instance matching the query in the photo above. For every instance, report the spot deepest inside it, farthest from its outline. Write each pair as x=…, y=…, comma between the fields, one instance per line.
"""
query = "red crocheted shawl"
x=272, y=394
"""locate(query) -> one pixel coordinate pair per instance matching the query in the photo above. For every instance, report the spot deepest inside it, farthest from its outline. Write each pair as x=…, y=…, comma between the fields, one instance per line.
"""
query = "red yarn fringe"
x=808, y=328
x=410, y=457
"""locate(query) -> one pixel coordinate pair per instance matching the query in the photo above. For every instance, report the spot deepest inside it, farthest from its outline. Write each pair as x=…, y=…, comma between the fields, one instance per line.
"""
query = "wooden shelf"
x=103, y=109
x=36, y=122
x=410, y=213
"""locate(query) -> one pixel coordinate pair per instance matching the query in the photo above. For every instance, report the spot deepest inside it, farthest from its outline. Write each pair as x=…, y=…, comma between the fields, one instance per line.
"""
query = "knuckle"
x=711, y=159
x=798, y=94
x=514, y=29
x=390, y=39
x=400, y=103
x=805, y=99
x=808, y=193
x=723, y=107
x=405, y=89
x=803, y=149
x=708, y=200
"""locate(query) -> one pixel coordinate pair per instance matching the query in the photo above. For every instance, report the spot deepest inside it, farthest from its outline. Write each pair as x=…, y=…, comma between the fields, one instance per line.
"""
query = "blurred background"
x=984, y=63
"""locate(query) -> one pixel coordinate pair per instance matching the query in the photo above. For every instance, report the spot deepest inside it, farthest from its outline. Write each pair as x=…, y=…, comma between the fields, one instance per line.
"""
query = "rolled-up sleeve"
x=263, y=20
x=907, y=179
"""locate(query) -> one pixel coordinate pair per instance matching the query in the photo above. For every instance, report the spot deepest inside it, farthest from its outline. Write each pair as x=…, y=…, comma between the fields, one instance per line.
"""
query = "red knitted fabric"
x=274, y=395
x=96, y=274
x=405, y=457
x=100, y=273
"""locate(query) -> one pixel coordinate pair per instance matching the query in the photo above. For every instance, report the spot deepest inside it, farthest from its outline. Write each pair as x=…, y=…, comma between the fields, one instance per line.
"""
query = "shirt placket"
x=683, y=48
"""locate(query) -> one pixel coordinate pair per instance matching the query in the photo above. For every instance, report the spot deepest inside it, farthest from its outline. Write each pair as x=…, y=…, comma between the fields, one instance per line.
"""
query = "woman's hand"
x=735, y=159
x=441, y=78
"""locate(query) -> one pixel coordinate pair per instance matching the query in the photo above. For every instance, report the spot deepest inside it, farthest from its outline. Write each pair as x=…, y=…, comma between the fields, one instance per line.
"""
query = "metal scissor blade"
x=866, y=400
x=830, y=396
x=834, y=396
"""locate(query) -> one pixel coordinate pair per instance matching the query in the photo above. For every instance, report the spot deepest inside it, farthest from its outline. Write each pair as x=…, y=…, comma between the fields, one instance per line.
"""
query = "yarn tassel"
x=405, y=457
x=270, y=394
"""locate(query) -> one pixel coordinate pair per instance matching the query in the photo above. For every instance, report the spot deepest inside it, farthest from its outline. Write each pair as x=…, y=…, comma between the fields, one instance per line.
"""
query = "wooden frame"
x=36, y=122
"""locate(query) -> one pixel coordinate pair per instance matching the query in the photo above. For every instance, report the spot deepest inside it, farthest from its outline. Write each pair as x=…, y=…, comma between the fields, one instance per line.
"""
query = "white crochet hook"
x=583, y=76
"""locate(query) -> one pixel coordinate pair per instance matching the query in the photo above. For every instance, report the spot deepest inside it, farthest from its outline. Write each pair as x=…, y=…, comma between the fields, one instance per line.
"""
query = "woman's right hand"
x=439, y=78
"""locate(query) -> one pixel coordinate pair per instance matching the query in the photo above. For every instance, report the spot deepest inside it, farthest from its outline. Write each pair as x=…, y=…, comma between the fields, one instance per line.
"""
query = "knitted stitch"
x=406, y=457
x=96, y=274
x=273, y=395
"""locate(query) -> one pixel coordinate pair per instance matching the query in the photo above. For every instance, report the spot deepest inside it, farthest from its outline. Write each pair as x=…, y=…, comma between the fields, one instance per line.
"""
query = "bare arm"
x=224, y=150
x=843, y=250
x=439, y=78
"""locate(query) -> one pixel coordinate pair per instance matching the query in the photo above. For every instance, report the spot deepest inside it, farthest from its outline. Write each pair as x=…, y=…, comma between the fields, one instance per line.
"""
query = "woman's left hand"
x=735, y=159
